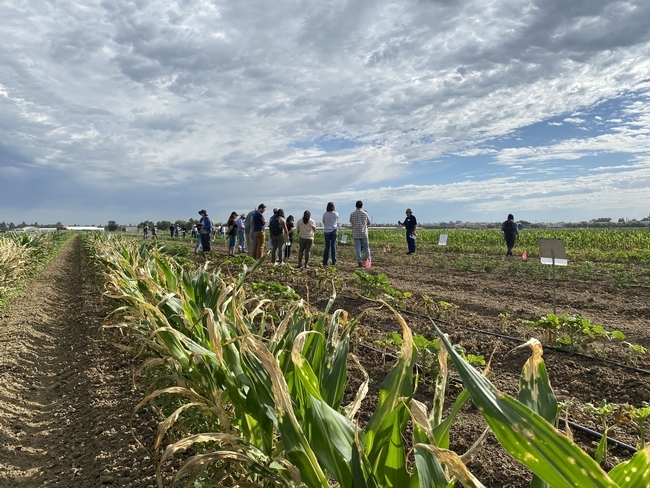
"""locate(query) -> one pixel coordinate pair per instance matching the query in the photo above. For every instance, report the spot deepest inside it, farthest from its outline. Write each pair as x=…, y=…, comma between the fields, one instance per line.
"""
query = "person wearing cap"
x=259, y=223
x=360, y=221
x=411, y=225
x=206, y=230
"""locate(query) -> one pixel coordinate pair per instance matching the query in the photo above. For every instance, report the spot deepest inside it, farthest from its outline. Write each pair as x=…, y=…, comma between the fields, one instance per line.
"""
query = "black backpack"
x=274, y=226
x=510, y=227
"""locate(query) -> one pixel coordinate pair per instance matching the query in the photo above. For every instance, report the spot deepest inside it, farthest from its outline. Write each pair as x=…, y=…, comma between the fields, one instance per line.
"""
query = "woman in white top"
x=306, y=228
x=331, y=227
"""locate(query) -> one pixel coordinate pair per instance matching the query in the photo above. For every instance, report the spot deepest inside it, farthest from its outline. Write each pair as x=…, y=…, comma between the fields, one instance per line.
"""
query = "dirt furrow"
x=66, y=396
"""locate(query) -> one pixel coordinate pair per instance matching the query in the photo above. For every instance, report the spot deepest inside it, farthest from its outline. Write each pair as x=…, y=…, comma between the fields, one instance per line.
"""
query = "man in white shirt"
x=360, y=221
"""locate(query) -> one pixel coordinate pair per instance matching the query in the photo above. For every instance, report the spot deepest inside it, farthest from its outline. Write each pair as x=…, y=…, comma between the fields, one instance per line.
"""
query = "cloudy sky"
x=462, y=110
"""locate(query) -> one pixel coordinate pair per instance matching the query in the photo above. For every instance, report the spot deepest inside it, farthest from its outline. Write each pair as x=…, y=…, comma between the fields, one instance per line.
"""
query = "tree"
x=12, y=226
x=3, y=227
x=163, y=225
x=112, y=226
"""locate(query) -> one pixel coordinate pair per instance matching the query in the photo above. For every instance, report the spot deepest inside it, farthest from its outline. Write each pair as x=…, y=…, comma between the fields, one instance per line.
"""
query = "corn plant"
x=528, y=435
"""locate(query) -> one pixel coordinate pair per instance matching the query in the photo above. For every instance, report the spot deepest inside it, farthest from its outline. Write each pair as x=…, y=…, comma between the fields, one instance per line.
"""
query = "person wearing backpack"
x=277, y=229
x=510, y=232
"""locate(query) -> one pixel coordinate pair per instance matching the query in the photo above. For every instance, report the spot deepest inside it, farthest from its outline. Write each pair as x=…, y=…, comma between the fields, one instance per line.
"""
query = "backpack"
x=274, y=226
x=510, y=227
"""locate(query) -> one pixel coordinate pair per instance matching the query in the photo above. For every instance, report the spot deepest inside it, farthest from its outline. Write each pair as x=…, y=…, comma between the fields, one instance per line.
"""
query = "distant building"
x=86, y=228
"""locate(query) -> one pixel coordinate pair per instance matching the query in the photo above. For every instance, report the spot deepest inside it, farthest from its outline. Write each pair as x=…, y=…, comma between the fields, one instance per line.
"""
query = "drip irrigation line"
x=585, y=430
x=598, y=435
x=521, y=341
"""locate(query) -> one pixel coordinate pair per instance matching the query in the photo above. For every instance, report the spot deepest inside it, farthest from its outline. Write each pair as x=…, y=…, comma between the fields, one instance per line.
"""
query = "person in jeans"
x=360, y=220
x=331, y=227
x=411, y=225
x=206, y=230
x=259, y=223
x=278, y=223
x=231, y=232
x=306, y=228
x=241, y=232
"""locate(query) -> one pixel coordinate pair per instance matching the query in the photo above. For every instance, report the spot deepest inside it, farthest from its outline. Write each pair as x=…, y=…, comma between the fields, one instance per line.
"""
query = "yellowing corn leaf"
x=527, y=436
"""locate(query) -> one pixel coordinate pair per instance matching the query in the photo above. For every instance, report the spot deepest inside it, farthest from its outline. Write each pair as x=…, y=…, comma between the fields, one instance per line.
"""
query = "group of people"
x=246, y=232
x=249, y=229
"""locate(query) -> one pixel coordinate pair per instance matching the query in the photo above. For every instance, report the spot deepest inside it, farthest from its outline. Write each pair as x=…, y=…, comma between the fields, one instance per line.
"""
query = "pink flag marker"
x=384, y=249
x=524, y=255
x=368, y=263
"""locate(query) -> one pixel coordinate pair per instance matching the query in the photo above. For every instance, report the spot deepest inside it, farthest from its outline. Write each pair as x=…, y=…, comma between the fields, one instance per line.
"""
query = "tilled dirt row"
x=66, y=397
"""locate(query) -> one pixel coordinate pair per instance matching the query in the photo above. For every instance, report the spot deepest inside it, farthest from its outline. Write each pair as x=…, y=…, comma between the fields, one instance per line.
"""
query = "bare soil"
x=66, y=395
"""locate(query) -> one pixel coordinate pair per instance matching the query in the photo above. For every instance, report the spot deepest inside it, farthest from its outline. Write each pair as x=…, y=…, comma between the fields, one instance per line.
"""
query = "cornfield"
x=260, y=397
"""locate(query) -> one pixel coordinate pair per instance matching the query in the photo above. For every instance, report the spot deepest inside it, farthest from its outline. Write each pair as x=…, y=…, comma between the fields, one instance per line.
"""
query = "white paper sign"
x=344, y=239
x=443, y=239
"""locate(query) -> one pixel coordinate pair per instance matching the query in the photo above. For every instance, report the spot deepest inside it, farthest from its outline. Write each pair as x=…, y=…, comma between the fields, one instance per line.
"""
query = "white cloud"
x=142, y=97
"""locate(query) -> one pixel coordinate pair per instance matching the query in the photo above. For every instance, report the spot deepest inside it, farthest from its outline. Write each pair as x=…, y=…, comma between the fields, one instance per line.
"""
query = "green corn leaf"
x=536, y=393
x=634, y=473
x=454, y=464
x=298, y=449
x=429, y=473
x=527, y=436
x=398, y=384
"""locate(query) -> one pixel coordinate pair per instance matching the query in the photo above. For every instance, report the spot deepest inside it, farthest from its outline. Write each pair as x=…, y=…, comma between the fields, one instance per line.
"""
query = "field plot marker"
x=443, y=239
x=551, y=251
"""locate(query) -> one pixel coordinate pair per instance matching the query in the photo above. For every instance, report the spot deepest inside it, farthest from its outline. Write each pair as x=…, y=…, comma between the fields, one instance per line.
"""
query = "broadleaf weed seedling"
x=603, y=411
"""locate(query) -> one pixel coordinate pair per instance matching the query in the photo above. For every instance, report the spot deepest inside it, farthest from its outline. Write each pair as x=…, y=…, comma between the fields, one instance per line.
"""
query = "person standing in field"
x=259, y=222
x=331, y=227
x=206, y=230
x=411, y=225
x=510, y=232
x=241, y=232
x=306, y=228
x=145, y=231
x=278, y=231
x=198, y=240
x=231, y=232
x=289, y=244
x=360, y=220
x=153, y=232
x=248, y=224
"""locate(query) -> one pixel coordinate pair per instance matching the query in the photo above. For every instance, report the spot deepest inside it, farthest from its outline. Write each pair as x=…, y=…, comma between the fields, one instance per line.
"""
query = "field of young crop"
x=260, y=375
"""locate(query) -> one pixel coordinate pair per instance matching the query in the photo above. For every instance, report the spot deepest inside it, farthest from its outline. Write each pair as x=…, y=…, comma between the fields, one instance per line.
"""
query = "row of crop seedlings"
x=266, y=396
x=21, y=254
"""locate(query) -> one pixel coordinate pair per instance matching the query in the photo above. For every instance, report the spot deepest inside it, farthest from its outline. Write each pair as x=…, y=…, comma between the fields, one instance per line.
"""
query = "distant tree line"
x=8, y=227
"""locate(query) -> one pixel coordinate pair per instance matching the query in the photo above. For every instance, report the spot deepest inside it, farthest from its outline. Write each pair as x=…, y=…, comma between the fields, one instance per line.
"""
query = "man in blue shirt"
x=411, y=225
x=510, y=231
x=206, y=230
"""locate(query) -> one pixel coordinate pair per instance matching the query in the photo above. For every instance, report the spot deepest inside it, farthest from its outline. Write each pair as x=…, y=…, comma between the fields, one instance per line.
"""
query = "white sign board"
x=443, y=239
x=551, y=251
x=344, y=238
